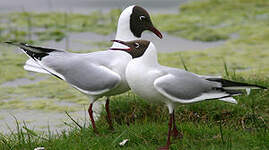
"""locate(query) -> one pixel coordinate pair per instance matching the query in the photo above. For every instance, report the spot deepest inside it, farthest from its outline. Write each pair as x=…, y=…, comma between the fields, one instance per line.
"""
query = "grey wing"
x=85, y=75
x=184, y=87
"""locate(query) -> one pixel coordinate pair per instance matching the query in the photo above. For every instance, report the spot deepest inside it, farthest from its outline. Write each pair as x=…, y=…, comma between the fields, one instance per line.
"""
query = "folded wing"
x=184, y=87
x=77, y=69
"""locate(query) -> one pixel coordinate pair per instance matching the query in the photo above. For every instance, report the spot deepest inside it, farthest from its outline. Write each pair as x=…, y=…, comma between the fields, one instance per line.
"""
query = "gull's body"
x=172, y=86
x=95, y=74
x=169, y=85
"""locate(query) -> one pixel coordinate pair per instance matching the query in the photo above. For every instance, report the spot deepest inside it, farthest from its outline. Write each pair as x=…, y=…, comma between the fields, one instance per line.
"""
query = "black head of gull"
x=133, y=21
x=140, y=21
x=135, y=48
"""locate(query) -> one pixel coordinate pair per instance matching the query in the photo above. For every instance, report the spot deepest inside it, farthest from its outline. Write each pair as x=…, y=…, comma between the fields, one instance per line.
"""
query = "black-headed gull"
x=95, y=74
x=171, y=86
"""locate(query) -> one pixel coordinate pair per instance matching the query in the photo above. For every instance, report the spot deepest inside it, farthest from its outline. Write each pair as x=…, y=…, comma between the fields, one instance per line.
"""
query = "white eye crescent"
x=137, y=45
x=142, y=17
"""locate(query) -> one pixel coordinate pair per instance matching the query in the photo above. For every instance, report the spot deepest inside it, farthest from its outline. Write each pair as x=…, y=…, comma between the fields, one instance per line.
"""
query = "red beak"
x=156, y=32
x=121, y=42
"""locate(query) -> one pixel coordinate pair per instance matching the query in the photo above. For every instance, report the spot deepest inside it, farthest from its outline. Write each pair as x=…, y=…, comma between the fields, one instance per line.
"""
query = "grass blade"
x=183, y=62
x=226, y=68
x=73, y=120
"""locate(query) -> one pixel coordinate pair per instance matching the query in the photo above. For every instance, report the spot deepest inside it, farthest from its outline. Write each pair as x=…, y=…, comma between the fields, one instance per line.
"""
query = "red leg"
x=169, y=134
x=91, y=117
x=175, y=132
x=109, y=121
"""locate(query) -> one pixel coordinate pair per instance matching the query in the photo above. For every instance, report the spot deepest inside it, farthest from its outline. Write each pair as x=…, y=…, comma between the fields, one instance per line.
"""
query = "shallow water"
x=85, y=41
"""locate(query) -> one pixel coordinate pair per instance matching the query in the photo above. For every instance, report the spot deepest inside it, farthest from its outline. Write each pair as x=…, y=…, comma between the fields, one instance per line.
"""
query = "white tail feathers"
x=35, y=69
x=37, y=66
x=248, y=90
x=229, y=99
x=31, y=65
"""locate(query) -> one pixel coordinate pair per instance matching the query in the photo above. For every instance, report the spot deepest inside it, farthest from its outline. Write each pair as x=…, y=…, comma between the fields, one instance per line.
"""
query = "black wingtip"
x=259, y=86
x=9, y=42
x=13, y=43
x=228, y=83
x=263, y=87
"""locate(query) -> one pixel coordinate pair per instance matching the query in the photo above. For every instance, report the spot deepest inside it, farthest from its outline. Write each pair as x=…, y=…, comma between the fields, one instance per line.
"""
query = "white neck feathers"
x=150, y=57
x=123, y=30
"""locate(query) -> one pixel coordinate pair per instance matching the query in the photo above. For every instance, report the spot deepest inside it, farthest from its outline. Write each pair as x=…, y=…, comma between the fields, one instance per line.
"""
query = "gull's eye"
x=142, y=18
x=136, y=45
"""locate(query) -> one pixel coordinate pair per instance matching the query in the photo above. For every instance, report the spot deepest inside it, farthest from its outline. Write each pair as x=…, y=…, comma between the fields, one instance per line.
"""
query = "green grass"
x=212, y=20
x=208, y=125
x=244, y=126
